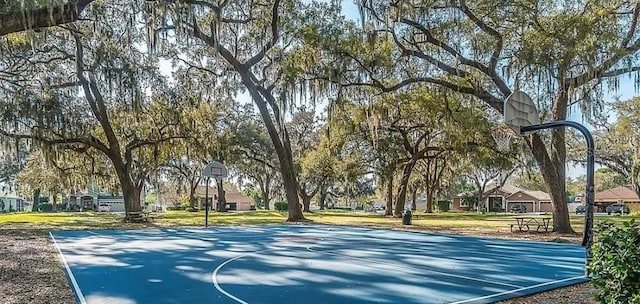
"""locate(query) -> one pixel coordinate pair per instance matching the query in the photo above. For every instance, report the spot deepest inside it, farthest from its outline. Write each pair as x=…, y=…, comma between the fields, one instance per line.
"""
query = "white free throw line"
x=214, y=276
x=516, y=290
x=74, y=283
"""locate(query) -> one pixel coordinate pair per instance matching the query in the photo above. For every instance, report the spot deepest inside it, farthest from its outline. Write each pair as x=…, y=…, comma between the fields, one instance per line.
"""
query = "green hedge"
x=281, y=206
x=443, y=205
x=615, y=264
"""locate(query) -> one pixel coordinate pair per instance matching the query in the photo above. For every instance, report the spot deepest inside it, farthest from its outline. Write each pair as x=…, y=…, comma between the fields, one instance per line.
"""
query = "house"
x=618, y=195
x=501, y=199
x=92, y=197
x=83, y=201
x=236, y=201
x=11, y=202
x=460, y=202
x=495, y=197
x=534, y=201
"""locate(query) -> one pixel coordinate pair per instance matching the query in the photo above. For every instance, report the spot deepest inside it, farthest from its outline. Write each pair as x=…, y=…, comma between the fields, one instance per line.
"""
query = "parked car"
x=518, y=209
x=581, y=209
x=104, y=207
x=618, y=208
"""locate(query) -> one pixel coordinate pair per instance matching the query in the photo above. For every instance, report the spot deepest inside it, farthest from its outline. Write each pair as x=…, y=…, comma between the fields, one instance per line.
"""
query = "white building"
x=11, y=202
x=92, y=197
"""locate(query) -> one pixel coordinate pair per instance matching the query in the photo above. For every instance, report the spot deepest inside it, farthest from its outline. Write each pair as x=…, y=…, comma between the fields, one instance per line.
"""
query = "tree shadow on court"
x=310, y=264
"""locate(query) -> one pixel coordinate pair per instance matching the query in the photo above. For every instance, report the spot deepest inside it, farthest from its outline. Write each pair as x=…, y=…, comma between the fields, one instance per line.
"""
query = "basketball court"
x=308, y=264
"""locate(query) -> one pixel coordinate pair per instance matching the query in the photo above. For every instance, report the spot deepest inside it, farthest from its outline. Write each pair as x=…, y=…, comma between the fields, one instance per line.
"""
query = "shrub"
x=443, y=205
x=281, y=206
x=615, y=263
x=45, y=207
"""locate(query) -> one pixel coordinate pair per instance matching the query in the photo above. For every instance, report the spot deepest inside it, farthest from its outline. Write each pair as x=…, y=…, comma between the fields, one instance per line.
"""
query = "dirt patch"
x=30, y=271
x=581, y=293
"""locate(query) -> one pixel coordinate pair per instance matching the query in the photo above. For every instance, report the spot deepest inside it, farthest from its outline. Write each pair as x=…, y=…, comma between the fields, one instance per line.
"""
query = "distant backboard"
x=520, y=111
x=215, y=169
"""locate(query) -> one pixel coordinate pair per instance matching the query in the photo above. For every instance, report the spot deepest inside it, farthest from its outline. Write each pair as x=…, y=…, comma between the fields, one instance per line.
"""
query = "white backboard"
x=215, y=169
x=520, y=111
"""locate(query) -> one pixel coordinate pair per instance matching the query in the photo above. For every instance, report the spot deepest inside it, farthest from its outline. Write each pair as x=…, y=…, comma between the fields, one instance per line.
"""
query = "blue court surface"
x=308, y=264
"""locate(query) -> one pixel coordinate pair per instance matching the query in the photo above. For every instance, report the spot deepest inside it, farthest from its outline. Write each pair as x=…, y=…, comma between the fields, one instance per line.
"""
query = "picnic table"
x=525, y=223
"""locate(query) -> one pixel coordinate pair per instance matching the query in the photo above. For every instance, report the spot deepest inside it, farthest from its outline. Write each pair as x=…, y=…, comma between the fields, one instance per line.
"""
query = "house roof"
x=201, y=190
x=236, y=197
x=233, y=197
x=539, y=195
x=10, y=195
x=464, y=194
x=506, y=189
x=535, y=195
x=617, y=193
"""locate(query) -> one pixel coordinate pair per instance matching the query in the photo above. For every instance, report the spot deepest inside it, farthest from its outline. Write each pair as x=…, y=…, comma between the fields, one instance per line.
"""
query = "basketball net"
x=502, y=134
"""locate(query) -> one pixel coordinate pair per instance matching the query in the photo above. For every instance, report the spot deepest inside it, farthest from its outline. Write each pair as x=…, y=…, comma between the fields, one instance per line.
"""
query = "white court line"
x=214, y=276
x=72, y=278
x=497, y=253
x=516, y=290
x=412, y=268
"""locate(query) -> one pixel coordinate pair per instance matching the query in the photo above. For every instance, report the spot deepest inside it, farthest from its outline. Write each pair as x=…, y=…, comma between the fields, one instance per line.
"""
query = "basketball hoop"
x=502, y=134
x=216, y=170
x=519, y=111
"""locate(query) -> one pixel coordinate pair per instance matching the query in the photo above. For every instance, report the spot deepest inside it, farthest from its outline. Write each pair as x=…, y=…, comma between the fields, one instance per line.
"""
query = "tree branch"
x=275, y=36
x=12, y=18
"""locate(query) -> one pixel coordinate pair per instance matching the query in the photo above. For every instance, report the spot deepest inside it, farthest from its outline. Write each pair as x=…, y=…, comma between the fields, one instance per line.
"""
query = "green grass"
x=450, y=220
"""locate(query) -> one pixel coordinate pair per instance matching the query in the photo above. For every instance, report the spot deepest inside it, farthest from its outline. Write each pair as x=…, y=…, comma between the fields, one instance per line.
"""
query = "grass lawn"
x=436, y=221
x=452, y=220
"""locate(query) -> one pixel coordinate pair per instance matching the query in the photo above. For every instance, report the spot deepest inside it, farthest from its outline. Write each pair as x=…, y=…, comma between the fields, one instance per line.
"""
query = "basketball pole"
x=206, y=204
x=587, y=238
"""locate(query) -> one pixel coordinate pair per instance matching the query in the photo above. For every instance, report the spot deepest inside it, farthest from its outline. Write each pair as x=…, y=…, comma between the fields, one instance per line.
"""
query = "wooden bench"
x=137, y=217
x=546, y=227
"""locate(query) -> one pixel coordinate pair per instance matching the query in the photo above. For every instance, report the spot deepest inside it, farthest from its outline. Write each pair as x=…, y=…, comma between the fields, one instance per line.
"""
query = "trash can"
x=406, y=217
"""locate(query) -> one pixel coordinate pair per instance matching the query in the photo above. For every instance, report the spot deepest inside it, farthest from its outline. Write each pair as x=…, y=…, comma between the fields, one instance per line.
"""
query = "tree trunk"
x=265, y=191
x=265, y=199
x=480, y=194
x=130, y=194
x=389, y=209
x=414, y=196
x=131, y=197
x=290, y=186
x=323, y=197
x=280, y=141
x=283, y=152
x=402, y=190
x=552, y=165
x=555, y=185
x=192, y=196
x=54, y=201
x=306, y=203
x=222, y=199
x=429, y=202
x=636, y=187
x=36, y=200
